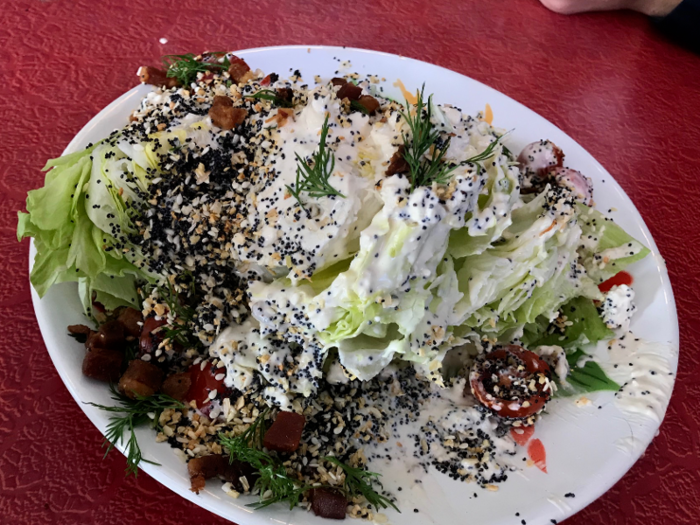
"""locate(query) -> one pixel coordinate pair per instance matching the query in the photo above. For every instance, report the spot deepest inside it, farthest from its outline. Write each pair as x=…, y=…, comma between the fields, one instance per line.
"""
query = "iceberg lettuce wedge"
x=606, y=249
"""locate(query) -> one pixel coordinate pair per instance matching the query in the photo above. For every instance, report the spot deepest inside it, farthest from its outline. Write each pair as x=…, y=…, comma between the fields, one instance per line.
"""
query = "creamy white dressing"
x=454, y=417
x=618, y=307
x=557, y=357
x=561, y=504
x=621, y=252
x=644, y=370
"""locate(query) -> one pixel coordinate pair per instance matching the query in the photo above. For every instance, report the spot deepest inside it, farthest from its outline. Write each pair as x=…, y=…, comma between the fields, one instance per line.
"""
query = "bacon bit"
x=220, y=100
x=133, y=118
x=328, y=503
x=397, y=163
x=156, y=77
x=488, y=114
x=537, y=454
x=370, y=103
x=349, y=91
x=140, y=379
x=285, y=433
x=226, y=117
x=249, y=75
x=285, y=94
x=161, y=126
x=522, y=435
x=238, y=69
x=411, y=98
x=280, y=118
x=121, y=191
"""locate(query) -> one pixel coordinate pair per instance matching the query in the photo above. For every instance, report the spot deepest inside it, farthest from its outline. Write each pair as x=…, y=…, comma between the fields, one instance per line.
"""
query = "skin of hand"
x=647, y=7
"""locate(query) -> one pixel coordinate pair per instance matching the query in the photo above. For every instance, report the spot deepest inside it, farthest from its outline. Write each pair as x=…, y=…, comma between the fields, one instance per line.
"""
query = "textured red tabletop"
x=629, y=96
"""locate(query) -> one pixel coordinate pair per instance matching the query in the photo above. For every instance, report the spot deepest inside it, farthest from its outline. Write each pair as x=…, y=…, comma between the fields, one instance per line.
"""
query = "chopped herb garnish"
x=359, y=482
x=271, y=95
x=180, y=330
x=488, y=152
x=354, y=104
x=425, y=139
x=274, y=485
x=128, y=415
x=186, y=67
x=312, y=178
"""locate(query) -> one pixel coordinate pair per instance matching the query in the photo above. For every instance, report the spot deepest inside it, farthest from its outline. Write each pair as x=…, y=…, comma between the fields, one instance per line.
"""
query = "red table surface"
x=624, y=92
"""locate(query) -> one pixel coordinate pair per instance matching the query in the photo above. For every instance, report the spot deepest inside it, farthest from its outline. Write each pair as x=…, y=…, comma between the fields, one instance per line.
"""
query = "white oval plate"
x=584, y=456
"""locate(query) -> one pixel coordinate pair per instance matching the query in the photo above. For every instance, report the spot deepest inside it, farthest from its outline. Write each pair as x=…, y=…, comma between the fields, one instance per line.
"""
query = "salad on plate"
x=295, y=279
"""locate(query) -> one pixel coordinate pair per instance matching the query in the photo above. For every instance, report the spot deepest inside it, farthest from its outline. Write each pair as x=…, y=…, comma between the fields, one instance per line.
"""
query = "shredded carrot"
x=521, y=435
x=554, y=223
x=488, y=114
x=537, y=454
x=411, y=98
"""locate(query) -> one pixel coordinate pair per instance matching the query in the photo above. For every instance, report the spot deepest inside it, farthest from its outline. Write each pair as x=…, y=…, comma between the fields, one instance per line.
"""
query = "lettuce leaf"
x=606, y=248
x=587, y=327
x=485, y=225
x=530, y=272
x=587, y=378
x=70, y=246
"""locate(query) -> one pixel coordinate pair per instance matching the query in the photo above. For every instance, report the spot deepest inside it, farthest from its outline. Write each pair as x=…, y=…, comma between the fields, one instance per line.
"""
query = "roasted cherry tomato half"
x=512, y=382
x=149, y=341
x=203, y=382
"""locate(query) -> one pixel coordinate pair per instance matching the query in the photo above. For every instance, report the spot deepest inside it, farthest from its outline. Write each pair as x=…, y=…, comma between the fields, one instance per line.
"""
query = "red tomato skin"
x=266, y=81
x=536, y=452
x=148, y=342
x=618, y=279
x=203, y=382
x=533, y=363
x=521, y=435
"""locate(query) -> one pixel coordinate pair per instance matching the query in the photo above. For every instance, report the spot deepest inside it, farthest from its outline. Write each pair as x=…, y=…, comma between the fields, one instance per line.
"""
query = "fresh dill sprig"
x=313, y=178
x=273, y=483
x=183, y=314
x=271, y=95
x=128, y=415
x=488, y=152
x=359, y=482
x=424, y=138
x=186, y=67
x=354, y=104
